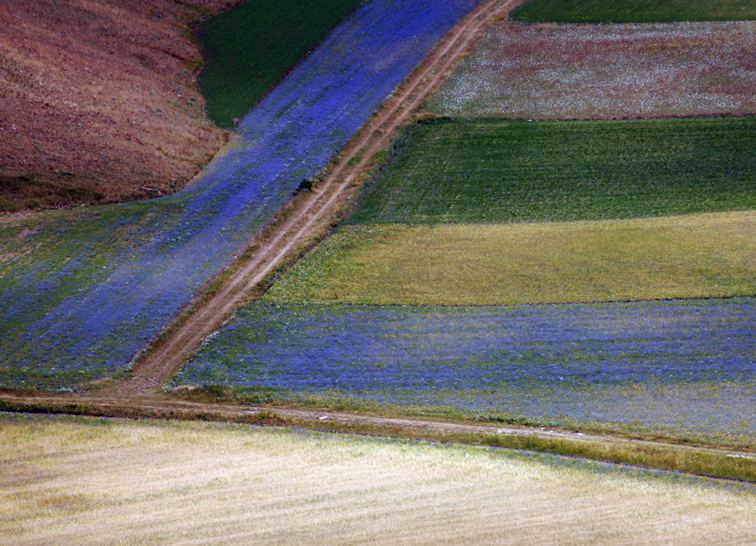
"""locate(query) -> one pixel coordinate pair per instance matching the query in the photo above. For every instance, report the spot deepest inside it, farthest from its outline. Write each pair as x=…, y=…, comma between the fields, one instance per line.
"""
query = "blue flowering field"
x=681, y=368
x=82, y=291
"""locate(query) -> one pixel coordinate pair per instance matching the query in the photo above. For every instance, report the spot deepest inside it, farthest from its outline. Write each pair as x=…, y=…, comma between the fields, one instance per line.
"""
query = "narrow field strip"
x=494, y=171
x=194, y=483
x=605, y=71
x=683, y=369
x=635, y=11
x=696, y=256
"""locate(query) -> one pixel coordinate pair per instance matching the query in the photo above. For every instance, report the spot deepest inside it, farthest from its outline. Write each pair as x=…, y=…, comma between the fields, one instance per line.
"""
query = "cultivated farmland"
x=491, y=171
x=470, y=211
x=605, y=71
x=284, y=31
x=681, y=369
x=658, y=383
x=164, y=484
x=634, y=11
x=132, y=268
x=712, y=255
x=97, y=101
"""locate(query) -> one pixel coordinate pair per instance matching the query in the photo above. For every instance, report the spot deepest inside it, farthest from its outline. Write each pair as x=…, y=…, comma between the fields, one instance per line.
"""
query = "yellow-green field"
x=84, y=482
x=705, y=255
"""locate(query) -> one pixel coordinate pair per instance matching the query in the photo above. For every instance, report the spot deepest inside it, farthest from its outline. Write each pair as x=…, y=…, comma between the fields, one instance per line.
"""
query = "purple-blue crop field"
x=81, y=292
x=678, y=367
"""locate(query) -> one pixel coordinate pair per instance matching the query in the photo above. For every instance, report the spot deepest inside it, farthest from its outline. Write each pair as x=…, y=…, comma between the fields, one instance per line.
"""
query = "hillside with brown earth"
x=98, y=101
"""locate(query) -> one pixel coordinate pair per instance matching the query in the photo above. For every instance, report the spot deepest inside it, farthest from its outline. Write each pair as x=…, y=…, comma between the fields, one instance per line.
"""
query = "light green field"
x=706, y=255
x=86, y=482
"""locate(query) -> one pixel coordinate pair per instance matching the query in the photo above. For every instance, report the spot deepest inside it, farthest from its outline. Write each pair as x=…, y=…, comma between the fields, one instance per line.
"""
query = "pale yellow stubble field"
x=83, y=482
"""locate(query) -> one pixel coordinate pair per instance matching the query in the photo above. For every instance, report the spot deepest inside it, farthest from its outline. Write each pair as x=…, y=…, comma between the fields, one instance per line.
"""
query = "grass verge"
x=688, y=459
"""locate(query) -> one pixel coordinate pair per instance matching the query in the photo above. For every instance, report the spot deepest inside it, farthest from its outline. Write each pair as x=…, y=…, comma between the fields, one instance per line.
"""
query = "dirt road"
x=298, y=227
x=311, y=213
x=704, y=460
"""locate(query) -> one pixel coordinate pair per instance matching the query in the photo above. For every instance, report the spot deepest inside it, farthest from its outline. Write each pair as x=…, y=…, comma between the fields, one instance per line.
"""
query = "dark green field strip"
x=634, y=11
x=248, y=49
x=488, y=171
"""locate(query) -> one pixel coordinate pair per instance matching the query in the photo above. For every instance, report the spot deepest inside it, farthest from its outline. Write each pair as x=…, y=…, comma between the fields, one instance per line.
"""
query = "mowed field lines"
x=90, y=482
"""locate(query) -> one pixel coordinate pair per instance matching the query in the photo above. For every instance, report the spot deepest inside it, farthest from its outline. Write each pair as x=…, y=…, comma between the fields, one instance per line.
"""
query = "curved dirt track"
x=312, y=211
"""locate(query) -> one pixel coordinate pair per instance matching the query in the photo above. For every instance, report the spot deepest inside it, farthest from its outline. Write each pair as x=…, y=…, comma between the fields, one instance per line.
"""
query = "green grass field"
x=93, y=481
x=248, y=49
x=708, y=255
x=634, y=11
x=479, y=171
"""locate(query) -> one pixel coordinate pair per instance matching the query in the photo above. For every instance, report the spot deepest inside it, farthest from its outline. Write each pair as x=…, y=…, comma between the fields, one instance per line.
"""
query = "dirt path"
x=595, y=446
x=313, y=211
x=139, y=395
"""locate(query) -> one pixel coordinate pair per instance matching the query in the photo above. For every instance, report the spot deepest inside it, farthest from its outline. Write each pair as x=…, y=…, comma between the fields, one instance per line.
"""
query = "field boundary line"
x=734, y=463
x=310, y=212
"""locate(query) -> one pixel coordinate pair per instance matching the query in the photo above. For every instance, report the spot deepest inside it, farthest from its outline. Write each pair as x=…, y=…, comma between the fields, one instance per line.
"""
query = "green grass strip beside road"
x=248, y=49
x=634, y=11
x=707, y=255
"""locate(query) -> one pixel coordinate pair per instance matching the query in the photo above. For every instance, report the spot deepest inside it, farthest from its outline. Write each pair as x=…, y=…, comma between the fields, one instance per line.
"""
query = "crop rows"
x=489, y=171
x=599, y=363
x=85, y=299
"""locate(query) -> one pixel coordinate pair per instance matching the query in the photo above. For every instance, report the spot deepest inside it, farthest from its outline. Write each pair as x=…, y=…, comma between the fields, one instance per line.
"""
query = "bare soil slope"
x=98, y=102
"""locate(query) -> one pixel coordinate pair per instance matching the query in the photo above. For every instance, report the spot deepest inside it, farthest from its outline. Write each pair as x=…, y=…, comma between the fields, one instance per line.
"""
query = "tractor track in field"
x=311, y=211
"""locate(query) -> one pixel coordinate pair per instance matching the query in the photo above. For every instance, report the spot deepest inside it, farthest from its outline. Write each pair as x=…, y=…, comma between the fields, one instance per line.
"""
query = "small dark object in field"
x=304, y=185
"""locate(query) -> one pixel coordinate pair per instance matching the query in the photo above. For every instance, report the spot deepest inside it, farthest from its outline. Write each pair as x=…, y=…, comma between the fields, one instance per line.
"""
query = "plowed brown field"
x=98, y=102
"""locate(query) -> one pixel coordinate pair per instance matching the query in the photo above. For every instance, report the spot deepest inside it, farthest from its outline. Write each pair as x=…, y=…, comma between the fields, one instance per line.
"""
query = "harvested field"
x=157, y=483
x=605, y=71
x=683, y=369
x=710, y=255
x=97, y=101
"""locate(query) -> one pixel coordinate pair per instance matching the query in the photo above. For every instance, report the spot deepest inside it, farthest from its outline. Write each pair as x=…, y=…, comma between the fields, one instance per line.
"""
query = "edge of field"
x=724, y=462
x=307, y=218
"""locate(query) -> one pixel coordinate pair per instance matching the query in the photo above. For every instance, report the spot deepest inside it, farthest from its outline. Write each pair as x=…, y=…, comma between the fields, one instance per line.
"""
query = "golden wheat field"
x=67, y=480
